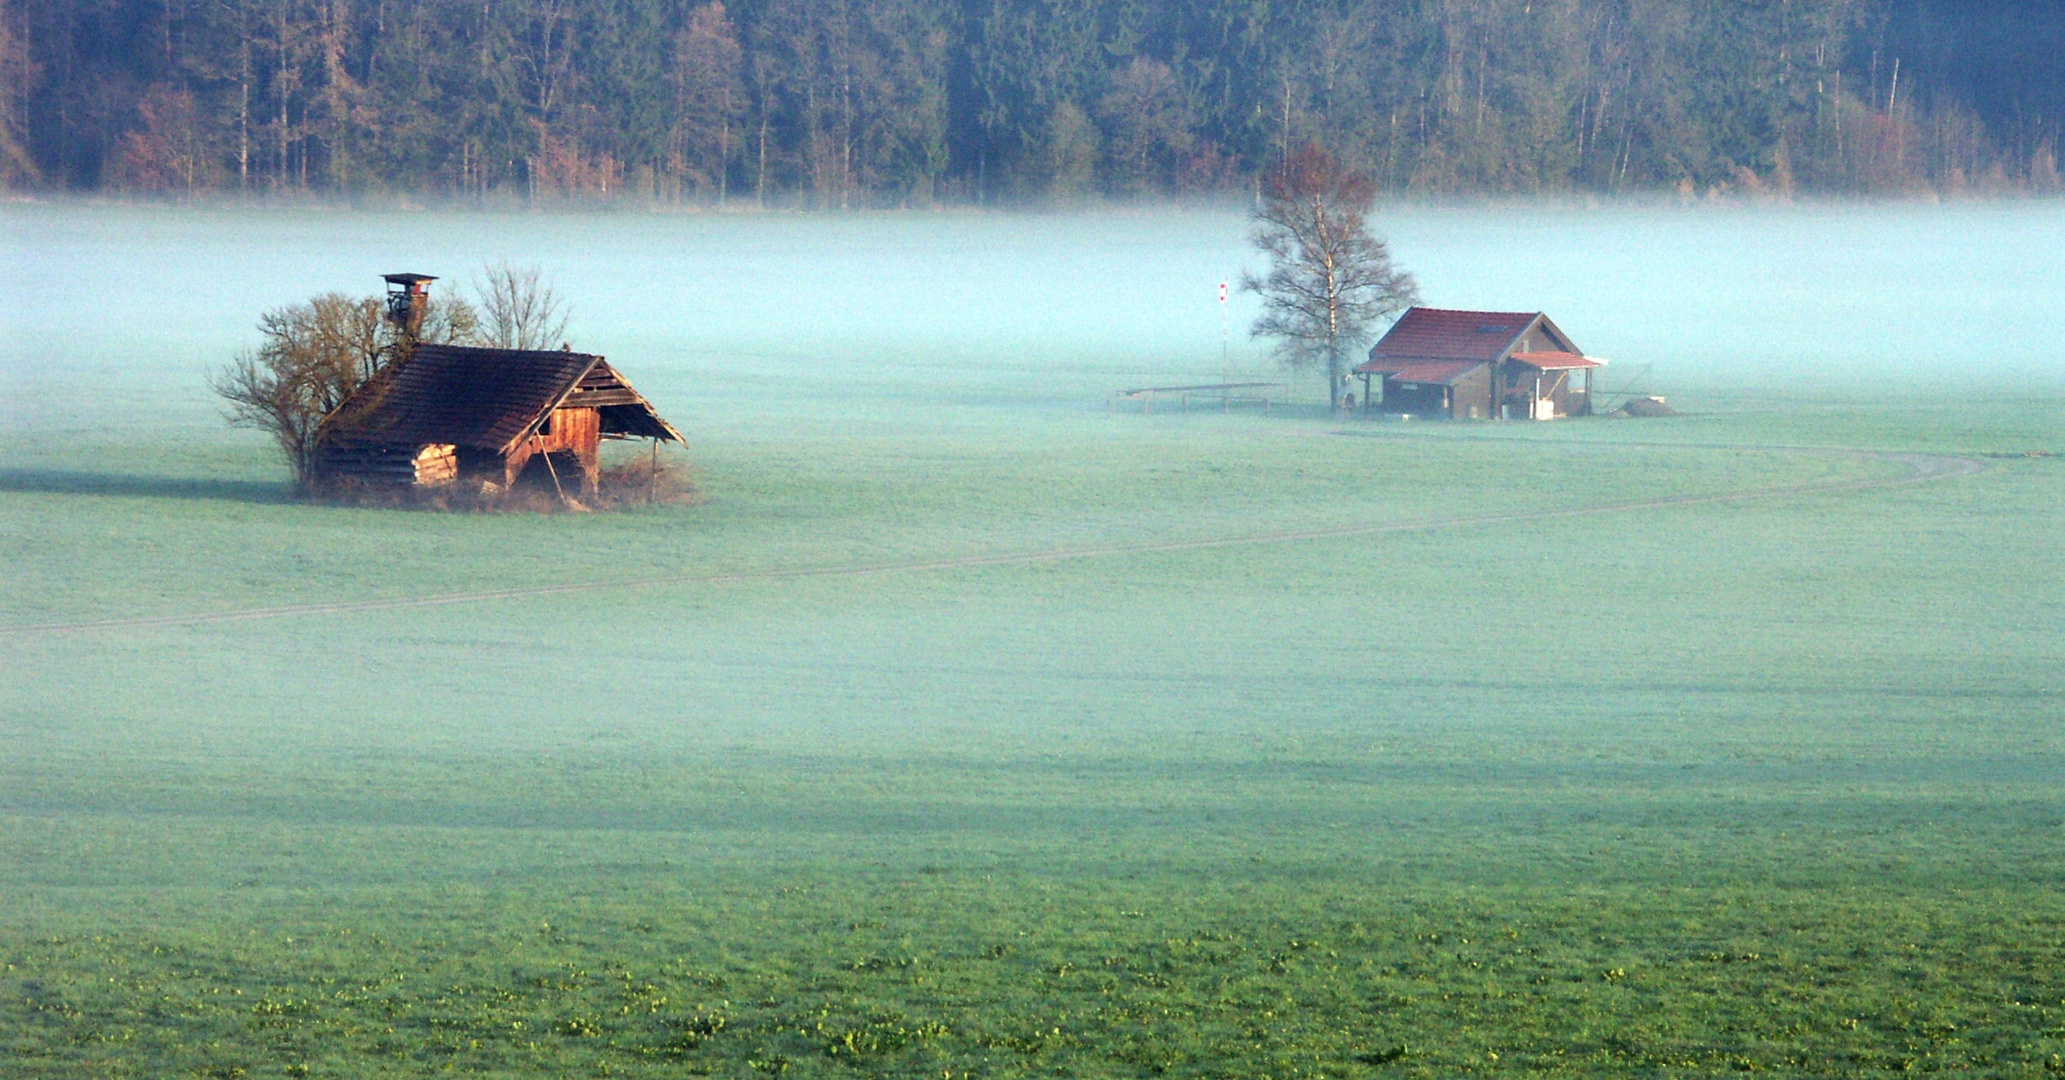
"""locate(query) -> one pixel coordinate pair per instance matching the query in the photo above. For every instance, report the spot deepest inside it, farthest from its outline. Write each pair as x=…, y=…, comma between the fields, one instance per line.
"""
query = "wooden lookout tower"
x=408, y=296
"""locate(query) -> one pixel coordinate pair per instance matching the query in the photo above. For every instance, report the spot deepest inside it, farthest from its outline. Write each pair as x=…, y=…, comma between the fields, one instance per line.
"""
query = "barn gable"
x=1437, y=334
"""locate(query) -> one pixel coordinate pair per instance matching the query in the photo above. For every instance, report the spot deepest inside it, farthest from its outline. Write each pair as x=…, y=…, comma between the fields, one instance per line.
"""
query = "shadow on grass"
x=69, y=482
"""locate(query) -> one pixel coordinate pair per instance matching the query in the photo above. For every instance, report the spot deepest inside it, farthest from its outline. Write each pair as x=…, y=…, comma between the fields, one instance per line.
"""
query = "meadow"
x=963, y=728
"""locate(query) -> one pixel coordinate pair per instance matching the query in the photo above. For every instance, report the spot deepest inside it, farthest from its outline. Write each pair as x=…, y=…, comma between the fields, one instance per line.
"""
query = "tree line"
x=868, y=103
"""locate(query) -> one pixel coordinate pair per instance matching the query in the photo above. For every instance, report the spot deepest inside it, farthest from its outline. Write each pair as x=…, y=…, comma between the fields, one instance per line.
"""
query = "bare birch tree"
x=1330, y=280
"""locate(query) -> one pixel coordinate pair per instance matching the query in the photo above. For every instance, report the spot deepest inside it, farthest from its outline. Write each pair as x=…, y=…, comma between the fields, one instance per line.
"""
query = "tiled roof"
x=1554, y=361
x=489, y=399
x=1441, y=372
x=1439, y=334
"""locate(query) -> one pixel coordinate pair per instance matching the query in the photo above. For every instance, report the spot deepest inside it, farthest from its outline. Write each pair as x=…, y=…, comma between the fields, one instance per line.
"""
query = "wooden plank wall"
x=568, y=433
x=425, y=466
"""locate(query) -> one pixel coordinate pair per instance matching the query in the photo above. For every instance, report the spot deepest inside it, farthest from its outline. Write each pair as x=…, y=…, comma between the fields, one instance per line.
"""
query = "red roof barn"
x=1471, y=365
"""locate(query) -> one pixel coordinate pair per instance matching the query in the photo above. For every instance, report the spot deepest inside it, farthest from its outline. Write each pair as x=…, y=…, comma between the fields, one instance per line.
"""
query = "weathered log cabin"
x=444, y=414
x=1477, y=365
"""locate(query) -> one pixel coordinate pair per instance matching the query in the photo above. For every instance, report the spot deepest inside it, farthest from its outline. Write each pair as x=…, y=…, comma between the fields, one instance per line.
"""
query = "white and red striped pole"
x=1225, y=330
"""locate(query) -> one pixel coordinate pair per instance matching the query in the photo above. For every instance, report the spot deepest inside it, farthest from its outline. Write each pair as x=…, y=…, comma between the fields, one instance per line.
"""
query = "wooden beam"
x=595, y=399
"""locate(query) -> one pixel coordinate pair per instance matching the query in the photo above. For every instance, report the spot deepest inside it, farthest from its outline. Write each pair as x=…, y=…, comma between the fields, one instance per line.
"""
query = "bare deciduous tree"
x=519, y=309
x=312, y=357
x=446, y=322
x=18, y=76
x=709, y=100
x=1068, y=154
x=170, y=151
x=1329, y=279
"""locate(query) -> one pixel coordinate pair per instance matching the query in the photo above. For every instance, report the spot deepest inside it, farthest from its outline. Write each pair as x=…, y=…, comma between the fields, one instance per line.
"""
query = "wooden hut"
x=446, y=413
x=1477, y=365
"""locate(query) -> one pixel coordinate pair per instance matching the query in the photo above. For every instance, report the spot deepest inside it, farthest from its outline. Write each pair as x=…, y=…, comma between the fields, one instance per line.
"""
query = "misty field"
x=964, y=728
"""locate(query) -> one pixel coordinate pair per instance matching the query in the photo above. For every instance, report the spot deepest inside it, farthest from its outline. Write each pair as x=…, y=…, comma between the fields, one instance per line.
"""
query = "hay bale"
x=1646, y=407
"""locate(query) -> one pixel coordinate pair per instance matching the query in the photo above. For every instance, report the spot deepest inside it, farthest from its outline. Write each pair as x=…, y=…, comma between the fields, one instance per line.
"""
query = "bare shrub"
x=642, y=480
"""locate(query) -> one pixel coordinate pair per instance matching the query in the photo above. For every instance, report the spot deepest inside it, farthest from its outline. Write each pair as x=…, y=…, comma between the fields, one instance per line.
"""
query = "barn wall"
x=577, y=430
x=1424, y=401
x=1564, y=388
x=573, y=437
x=1515, y=390
x=1580, y=401
x=1569, y=392
x=427, y=465
x=1472, y=390
x=1539, y=338
x=1552, y=338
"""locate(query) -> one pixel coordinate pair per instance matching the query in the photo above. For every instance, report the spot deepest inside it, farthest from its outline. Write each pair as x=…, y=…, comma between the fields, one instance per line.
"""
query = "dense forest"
x=860, y=103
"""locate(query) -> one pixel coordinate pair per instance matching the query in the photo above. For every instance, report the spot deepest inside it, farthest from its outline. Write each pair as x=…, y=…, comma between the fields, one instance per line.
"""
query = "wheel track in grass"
x=1924, y=468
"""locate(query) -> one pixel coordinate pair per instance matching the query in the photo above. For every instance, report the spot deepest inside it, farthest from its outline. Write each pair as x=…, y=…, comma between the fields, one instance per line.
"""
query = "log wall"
x=392, y=466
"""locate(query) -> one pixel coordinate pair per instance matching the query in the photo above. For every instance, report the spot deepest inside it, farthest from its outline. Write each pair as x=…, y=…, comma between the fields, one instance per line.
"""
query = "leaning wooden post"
x=547, y=455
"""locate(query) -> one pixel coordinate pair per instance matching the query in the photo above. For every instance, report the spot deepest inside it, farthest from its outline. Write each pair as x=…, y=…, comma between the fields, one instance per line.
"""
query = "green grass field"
x=1767, y=784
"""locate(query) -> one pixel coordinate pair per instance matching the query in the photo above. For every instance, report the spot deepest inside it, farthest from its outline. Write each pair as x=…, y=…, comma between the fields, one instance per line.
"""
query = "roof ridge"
x=445, y=346
x=1465, y=311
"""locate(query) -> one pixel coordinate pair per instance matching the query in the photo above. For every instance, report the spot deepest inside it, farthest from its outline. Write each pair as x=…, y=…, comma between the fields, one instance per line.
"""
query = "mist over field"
x=769, y=311
x=964, y=727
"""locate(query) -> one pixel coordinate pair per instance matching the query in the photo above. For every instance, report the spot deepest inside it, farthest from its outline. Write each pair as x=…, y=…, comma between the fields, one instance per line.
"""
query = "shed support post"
x=550, y=468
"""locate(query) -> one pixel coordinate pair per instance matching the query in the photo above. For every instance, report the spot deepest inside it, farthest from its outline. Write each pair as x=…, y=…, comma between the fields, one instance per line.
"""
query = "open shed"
x=1477, y=365
x=448, y=413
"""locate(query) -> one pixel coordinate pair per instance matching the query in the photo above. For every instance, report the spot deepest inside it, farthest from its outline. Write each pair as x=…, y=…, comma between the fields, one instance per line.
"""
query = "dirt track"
x=1924, y=468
